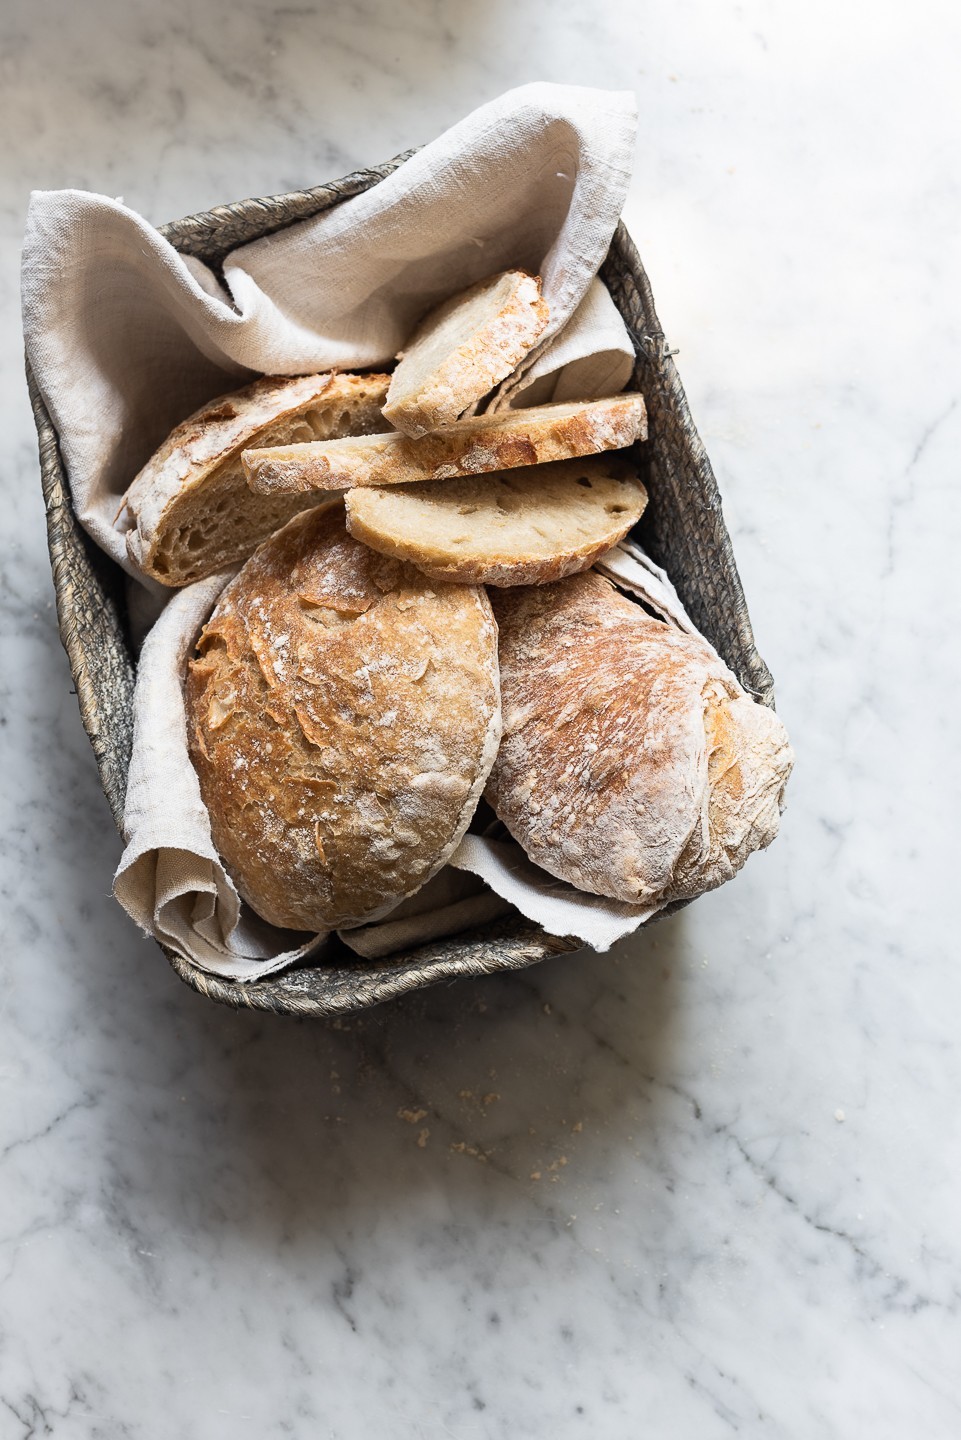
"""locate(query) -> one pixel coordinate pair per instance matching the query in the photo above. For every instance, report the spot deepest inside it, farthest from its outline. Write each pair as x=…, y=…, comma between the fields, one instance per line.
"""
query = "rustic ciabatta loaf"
x=470, y=447
x=343, y=714
x=463, y=349
x=189, y=509
x=632, y=764
x=515, y=527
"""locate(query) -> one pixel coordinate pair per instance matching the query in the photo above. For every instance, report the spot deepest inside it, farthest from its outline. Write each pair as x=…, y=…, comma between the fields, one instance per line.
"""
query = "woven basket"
x=683, y=530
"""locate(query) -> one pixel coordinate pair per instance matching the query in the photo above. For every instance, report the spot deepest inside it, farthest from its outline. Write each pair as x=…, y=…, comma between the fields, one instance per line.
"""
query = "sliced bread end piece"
x=189, y=510
x=463, y=349
x=513, y=527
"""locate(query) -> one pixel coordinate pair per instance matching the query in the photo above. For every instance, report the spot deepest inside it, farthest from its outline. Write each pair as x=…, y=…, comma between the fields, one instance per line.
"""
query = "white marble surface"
x=708, y=1183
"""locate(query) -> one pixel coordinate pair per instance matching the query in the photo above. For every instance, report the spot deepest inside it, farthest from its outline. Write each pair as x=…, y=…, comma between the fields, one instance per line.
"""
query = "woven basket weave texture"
x=683, y=530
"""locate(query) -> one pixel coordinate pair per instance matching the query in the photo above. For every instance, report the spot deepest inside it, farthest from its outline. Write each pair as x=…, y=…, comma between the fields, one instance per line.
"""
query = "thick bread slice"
x=189, y=509
x=471, y=447
x=515, y=527
x=463, y=349
x=343, y=714
x=633, y=765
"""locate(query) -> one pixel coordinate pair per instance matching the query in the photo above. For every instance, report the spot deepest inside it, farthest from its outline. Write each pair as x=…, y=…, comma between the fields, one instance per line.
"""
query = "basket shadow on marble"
x=683, y=530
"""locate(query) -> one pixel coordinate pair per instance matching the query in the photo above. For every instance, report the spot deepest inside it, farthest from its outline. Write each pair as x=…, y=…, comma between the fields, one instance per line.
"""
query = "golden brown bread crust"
x=189, y=509
x=483, y=443
x=342, y=715
x=632, y=763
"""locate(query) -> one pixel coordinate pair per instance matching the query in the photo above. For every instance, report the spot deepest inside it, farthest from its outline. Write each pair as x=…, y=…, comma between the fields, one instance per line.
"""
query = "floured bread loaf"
x=342, y=714
x=632, y=764
x=463, y=349
x=515, y=527
x=470, y=447
x=189, y=509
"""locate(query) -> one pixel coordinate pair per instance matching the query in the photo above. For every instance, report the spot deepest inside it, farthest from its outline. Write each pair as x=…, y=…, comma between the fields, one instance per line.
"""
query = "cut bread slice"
x=189, y=510
x=470, y=447
x=515, y=527
x=463, y=349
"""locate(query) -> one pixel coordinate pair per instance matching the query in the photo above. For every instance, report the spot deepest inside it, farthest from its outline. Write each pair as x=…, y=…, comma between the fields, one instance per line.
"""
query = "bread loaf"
x=463, y=349
x=470, y=447
x=343, y=713
x=515, y=527
x=632, y=763
x=189, y=510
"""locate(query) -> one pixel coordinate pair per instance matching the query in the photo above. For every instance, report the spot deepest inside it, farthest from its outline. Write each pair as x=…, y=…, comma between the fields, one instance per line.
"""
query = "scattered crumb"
x=465, y=1094
x=577, y=1127
x=413, y=1117
x=547, y=1008
x=489, y=1099
x=535, y=1174
x=462, y=1148
x=839, y=1116
x=559, y=1163
x=422, y=1138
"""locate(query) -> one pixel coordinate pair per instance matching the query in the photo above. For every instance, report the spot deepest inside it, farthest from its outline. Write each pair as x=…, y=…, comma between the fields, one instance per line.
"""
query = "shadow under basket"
x=683, y=530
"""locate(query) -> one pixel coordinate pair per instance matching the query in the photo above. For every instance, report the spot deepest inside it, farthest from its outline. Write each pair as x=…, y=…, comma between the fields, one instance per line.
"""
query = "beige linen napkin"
x=126, y=337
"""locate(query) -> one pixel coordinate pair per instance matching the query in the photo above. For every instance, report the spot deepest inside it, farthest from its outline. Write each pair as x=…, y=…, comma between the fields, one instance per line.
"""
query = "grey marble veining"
x=707, y=1184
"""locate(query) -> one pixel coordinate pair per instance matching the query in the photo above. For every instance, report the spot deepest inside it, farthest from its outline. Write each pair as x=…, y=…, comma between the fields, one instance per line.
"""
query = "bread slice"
x=189, y=510
x=343, y=714
x=471, y=447
x=463, y=349
x=515, y=527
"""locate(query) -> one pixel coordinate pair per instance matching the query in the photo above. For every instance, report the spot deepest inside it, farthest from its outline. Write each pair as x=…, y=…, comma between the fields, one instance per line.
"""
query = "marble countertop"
x=704, y=1184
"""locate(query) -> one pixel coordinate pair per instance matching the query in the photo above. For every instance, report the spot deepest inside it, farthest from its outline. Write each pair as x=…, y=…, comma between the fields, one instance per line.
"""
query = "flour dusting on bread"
x=343, y=715
x=632, y=763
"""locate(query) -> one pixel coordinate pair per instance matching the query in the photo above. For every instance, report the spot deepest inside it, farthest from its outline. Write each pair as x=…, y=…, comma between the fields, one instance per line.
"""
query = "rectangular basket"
x=682, y=529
